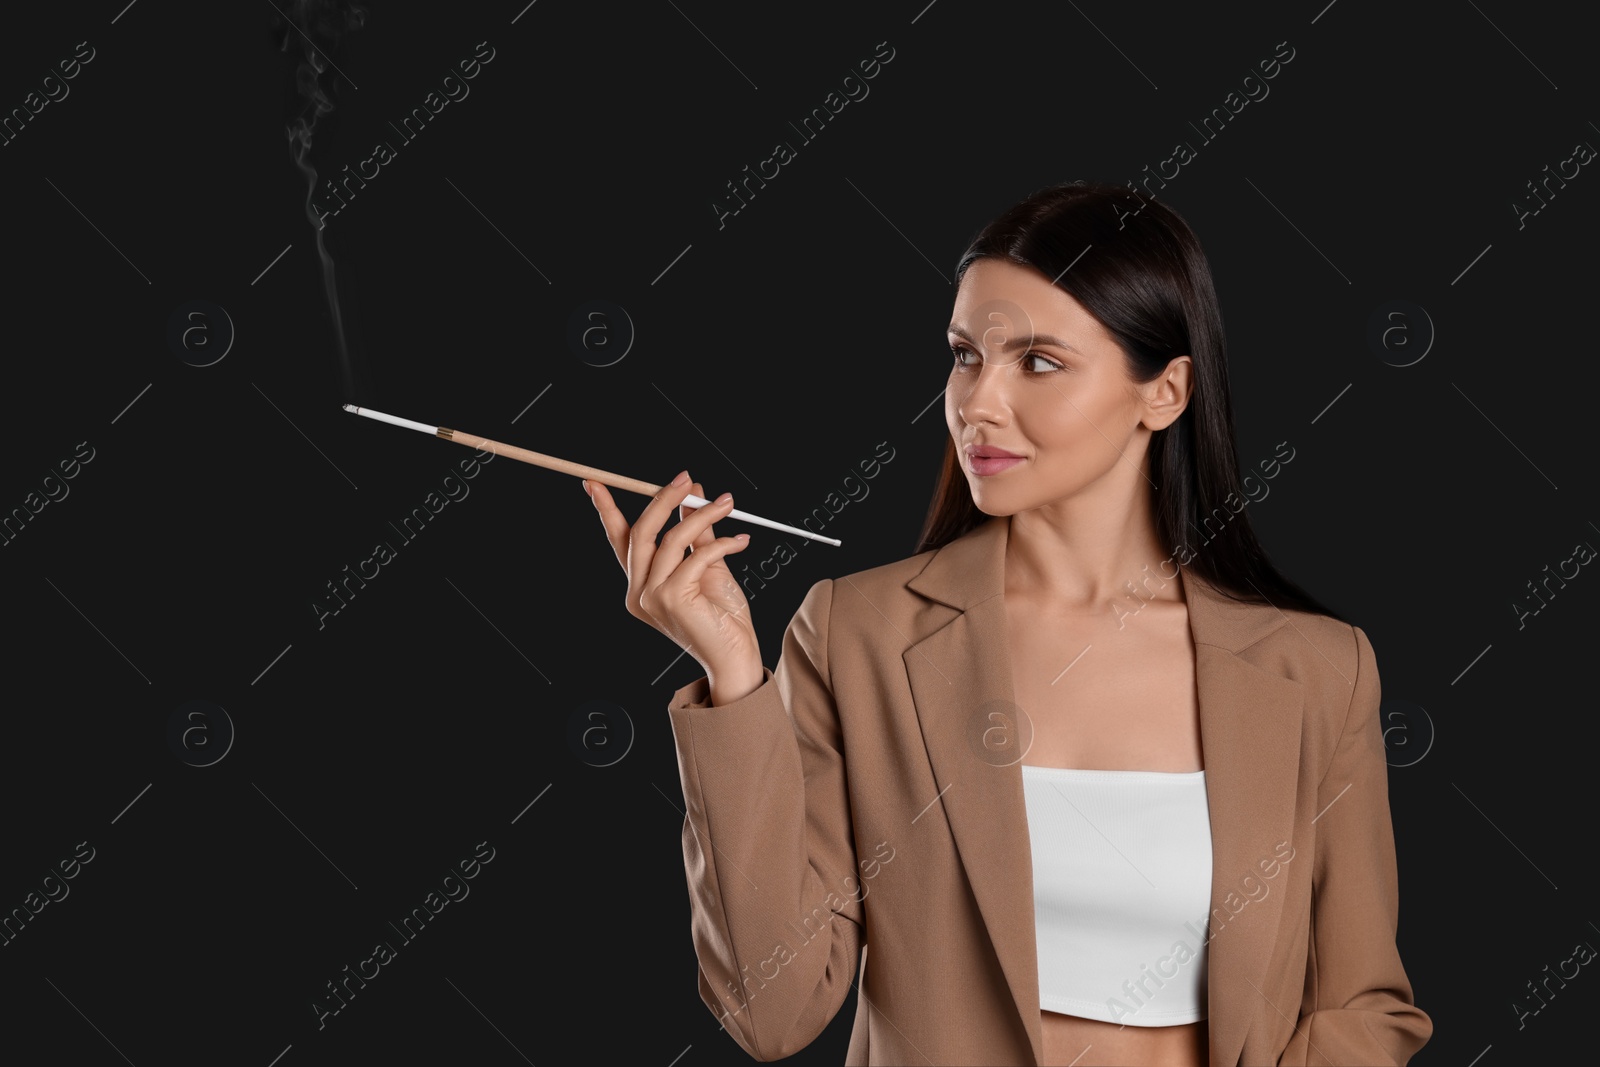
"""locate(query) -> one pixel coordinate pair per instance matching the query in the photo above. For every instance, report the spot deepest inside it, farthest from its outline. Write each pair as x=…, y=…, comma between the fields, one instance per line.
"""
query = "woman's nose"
x=985, y=396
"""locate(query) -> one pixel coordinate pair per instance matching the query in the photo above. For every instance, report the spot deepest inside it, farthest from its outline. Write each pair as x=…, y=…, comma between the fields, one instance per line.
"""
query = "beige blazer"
x=858, y=821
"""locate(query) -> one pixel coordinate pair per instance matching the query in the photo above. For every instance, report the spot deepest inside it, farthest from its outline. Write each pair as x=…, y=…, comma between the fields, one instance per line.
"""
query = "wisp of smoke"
x=312, y=29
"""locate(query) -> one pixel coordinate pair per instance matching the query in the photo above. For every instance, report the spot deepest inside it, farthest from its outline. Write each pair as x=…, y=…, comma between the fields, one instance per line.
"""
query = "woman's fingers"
x=684, y=512
x=678, y=539
x=694, y=568
x=648, y=564
x=712, y=624
x=642, y=538
x=615, y=524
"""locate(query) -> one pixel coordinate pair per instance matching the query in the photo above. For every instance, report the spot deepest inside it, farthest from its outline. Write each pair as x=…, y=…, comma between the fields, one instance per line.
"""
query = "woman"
x=1114, y=787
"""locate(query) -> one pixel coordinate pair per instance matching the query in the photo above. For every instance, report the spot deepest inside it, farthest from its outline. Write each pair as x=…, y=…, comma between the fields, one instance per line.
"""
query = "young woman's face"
x=1033, y=373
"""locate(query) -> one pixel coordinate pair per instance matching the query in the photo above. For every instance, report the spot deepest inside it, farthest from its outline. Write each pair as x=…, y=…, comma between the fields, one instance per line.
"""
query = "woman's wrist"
x=728, y=686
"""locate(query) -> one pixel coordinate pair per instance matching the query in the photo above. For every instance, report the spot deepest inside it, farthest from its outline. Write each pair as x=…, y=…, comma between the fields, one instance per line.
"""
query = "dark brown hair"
x=1139, y=270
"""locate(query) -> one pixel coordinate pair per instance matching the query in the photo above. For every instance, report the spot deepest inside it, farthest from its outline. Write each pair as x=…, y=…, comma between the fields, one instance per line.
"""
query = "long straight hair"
x=1136, y=266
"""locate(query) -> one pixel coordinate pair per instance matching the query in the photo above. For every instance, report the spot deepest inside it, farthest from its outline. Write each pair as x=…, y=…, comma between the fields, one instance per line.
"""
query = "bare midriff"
x=1071, y=1041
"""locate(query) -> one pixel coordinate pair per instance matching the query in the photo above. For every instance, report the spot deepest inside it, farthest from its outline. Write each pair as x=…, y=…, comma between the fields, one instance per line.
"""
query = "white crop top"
x=1122, y=892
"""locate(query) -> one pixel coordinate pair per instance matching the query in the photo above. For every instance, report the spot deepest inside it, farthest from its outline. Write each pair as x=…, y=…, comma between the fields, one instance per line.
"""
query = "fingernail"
x=586, y=489
x=682, y=479
x=724, y=498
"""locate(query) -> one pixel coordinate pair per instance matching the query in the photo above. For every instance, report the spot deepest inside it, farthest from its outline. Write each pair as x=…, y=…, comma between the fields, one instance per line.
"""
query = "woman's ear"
x=1168, y=396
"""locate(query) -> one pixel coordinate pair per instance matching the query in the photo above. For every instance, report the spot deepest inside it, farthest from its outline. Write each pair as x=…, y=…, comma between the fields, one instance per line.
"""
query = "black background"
x=771, y=356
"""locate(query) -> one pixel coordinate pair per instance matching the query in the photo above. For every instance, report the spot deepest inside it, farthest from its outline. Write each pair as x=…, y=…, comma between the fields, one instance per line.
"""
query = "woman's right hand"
x=696, y=601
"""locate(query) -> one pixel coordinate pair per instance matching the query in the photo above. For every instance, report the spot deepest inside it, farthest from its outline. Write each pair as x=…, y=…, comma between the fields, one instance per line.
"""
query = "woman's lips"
x=985, y=465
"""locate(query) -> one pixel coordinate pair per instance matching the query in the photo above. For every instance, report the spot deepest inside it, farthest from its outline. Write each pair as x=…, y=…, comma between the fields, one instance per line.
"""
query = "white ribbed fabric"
x=1122, y=892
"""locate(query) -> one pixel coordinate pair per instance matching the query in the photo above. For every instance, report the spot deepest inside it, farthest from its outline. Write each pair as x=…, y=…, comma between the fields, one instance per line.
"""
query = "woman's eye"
x=1044, y=366
x=1047, y=365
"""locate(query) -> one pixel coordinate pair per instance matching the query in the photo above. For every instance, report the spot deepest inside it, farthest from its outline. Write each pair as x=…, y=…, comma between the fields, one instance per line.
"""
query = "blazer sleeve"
x=776, y=910
x=1357, y=1007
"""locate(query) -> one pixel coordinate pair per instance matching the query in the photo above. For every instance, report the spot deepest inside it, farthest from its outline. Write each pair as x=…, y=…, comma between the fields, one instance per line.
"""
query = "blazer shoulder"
x=866, y=598
x=889, y=576
x=1318, y=651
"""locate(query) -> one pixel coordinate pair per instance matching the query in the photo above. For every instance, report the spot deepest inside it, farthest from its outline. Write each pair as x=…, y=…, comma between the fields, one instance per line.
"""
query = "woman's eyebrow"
x=1016, y=342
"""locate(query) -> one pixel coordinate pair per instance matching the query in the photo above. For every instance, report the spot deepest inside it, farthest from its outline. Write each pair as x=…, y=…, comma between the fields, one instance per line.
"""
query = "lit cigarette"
x=594, y=474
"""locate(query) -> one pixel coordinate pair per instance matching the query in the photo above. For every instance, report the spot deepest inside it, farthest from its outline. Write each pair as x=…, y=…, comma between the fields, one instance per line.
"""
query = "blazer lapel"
x=976, y=738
